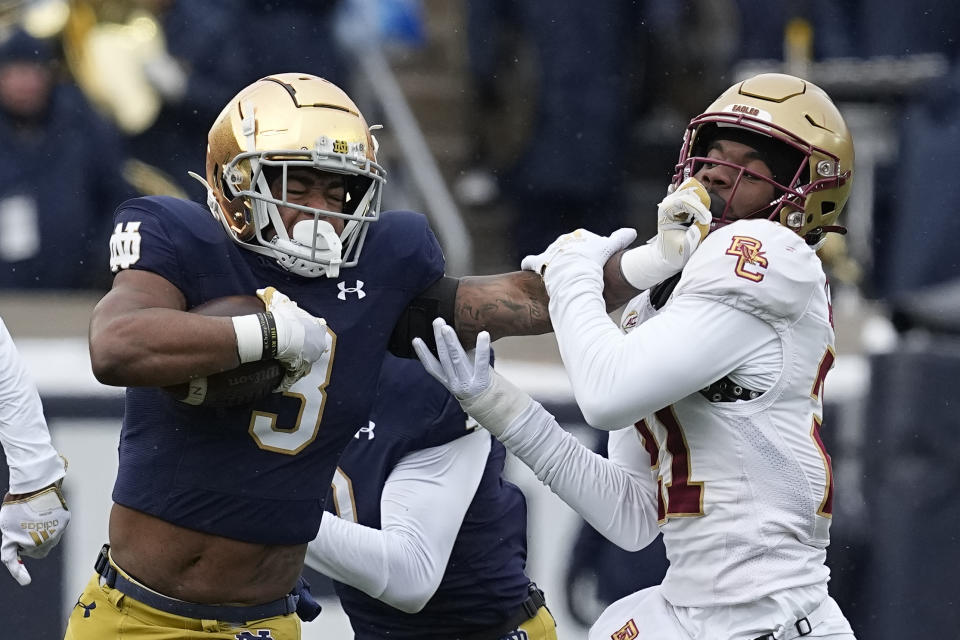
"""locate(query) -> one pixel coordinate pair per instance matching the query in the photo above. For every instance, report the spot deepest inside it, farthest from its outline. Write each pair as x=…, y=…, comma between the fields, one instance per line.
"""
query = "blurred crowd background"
x=511, y=121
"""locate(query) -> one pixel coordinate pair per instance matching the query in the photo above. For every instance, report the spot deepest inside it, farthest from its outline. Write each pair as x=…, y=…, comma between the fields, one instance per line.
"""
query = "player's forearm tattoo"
x=509, y=304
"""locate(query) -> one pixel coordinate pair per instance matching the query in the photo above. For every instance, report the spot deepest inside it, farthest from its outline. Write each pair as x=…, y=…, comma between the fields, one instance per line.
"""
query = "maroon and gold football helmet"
x=801, y=129
x=277, y=123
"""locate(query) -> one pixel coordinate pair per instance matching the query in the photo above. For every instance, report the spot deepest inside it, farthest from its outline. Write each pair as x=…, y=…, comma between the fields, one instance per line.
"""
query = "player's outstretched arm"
x=422, y=507
x=33, y=516
x=617, y=497
x=516, y=303
x=141, y=335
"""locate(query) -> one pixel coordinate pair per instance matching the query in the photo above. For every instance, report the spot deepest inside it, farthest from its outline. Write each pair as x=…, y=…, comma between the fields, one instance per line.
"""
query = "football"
x=247, y=383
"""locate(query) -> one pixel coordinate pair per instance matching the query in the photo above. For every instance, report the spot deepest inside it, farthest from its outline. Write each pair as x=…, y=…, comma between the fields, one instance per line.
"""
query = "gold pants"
x=540, y=627
x=102, y=613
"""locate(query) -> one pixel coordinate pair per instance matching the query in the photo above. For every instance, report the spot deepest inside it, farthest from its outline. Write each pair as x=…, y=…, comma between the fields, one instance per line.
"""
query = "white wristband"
x=249, y=337
x=643, y=267
x=498, y=405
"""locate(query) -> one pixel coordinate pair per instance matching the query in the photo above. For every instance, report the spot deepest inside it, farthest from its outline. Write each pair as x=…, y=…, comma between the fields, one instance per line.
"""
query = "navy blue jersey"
x=484, y=581
x=260, y=473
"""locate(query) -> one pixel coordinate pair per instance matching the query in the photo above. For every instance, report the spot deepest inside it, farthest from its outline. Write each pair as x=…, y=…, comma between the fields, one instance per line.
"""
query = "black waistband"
x=226, y=613
x=527, y=610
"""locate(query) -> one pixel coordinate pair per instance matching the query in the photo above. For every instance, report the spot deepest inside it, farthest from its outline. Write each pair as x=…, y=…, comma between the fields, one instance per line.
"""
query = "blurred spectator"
x=60, y=174
x=569, y=166
x=194, y=79
x=195, y=76
x=290, y=35
x=498, y=124
x=916, y=224
x=831, y=28
x=563, y=93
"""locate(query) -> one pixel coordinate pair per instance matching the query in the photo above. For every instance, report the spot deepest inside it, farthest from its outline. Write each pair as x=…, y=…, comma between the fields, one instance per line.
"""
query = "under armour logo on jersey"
x=367, y=430
x=86, y=608
x=262, y=634
x=344, y=290
x=124, y=245
x=516, y=634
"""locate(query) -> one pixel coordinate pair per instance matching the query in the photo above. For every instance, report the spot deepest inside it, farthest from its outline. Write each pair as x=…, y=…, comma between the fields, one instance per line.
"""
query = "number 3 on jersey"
x=310, y=392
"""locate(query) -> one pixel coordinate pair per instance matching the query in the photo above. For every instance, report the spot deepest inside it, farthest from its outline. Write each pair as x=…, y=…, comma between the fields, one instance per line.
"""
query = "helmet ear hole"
x=221, y=179
x=271, y=174
x=356, y=188
x=827, y=207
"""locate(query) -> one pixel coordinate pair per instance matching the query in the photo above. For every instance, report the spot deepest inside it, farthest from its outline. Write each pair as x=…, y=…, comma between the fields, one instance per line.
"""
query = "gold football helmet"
x=283, y=121
x=801, y=129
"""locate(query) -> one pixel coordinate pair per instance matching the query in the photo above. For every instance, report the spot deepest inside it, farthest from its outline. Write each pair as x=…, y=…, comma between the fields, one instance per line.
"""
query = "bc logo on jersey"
x=748, y=251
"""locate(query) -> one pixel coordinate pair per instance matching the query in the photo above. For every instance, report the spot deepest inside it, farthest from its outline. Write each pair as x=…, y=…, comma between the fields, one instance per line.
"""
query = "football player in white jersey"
x=712, y=390
x=33, y=514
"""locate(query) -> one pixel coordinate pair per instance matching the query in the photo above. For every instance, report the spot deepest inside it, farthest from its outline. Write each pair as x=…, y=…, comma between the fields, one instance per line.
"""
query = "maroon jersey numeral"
x=826, y=362
x=684, y=498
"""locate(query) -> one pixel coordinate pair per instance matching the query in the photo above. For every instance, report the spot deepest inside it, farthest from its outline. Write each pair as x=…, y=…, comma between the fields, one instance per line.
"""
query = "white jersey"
x=744, y=488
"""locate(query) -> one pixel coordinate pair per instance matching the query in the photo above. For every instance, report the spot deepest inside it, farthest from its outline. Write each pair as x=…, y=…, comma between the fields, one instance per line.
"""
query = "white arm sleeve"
x=619, y=378
x=33, y=461
x=617, y=496
x=422, y=507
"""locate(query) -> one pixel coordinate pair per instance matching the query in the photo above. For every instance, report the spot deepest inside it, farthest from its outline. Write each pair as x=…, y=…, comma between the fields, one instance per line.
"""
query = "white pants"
x=647, y=615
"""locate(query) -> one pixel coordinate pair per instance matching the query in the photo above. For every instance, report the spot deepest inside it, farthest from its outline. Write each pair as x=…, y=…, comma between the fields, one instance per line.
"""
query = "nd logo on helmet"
x=340, y=146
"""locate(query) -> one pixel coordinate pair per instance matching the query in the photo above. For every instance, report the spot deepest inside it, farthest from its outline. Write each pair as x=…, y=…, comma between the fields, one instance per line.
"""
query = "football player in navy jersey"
x=214, y=507
x=430, y=541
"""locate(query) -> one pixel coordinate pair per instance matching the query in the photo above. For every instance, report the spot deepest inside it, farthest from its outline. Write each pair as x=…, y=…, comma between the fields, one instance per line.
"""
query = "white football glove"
x=300, y=337
x=486, y=396
x=581, y=249
x=683, y=221
x=31, y=526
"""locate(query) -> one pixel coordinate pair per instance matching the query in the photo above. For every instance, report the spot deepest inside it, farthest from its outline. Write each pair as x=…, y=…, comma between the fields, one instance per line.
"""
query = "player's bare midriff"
x=200, y=567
